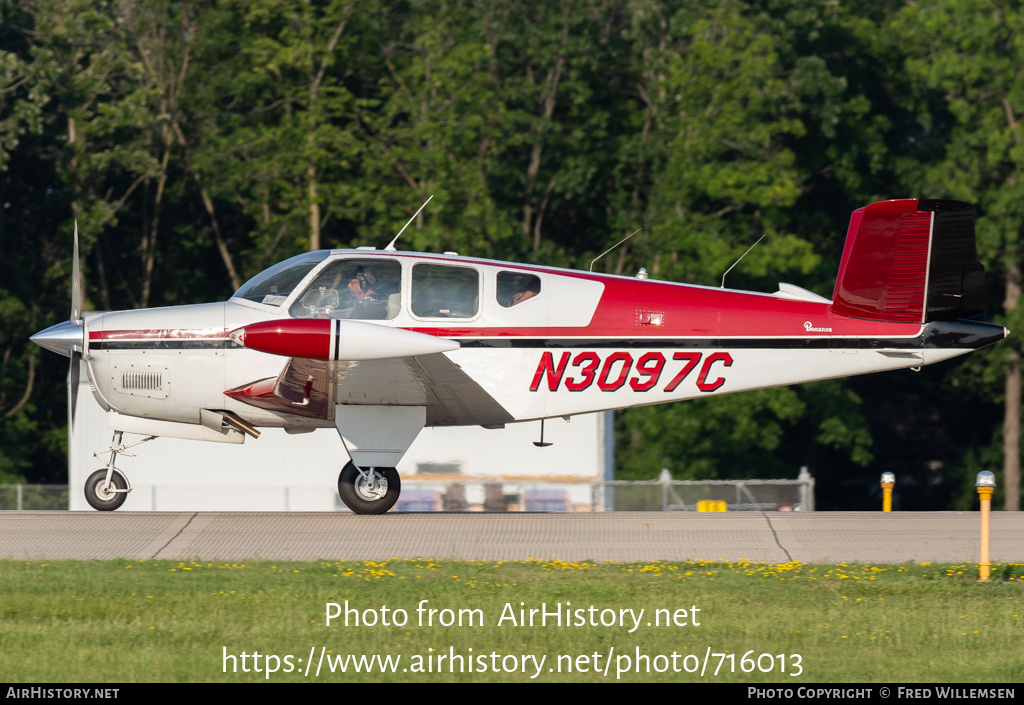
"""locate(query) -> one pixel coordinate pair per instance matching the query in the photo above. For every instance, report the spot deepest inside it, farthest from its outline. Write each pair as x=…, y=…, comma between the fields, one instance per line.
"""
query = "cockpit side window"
x=363, y=289
x=516, y=287
x=272, y=286
x=445, y=291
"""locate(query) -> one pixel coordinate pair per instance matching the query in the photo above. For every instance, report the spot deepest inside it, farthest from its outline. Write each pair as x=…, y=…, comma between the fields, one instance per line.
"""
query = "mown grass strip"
x=144, y=621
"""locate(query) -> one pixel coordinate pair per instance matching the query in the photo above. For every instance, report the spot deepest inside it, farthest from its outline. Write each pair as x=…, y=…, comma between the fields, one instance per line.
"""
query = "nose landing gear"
x=107, y=489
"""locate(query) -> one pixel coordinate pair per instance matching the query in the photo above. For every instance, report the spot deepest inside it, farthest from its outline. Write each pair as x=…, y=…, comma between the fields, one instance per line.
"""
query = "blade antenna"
x=541, y=443
x=391, y=245
x=613, y=247
x=741, y=257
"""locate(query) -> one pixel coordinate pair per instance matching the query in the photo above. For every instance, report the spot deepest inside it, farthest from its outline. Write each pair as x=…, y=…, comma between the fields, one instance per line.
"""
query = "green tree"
x=439, y=130
x=966, y=61
x=278, y=127
x=730, y=100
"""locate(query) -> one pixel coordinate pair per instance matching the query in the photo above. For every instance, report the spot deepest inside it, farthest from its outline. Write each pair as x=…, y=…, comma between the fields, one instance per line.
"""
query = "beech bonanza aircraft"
x=379, y=344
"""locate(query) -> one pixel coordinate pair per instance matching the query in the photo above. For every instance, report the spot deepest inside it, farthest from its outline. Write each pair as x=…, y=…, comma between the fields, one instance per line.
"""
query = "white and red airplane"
x=379, y=344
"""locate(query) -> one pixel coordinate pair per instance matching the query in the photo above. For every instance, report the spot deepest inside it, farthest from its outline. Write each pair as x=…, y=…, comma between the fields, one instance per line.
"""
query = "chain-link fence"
x=662, y=495
x=33, y=497
x=667, y=495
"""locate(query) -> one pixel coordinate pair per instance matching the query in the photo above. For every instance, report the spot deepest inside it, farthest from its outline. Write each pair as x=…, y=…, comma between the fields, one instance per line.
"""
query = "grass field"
x=145, y=621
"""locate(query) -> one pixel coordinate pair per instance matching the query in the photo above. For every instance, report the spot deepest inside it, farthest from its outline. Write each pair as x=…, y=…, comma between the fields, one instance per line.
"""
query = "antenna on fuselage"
x=613, y=247
x=742, y=256
x=541, y=443
x=391, y=245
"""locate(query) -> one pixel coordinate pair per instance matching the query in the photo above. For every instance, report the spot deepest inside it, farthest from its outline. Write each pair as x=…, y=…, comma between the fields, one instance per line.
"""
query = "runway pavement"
x=819, y=537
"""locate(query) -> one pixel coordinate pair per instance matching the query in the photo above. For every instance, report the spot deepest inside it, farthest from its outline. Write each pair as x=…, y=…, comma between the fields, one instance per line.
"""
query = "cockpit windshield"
x=272, y=286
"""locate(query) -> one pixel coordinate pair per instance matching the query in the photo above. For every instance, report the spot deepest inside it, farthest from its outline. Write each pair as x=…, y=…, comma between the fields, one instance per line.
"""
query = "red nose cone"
x=296, y=337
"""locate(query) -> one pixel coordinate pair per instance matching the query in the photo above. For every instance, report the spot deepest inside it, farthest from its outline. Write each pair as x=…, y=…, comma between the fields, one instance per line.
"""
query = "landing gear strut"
x=369, y=490
x=107, y=489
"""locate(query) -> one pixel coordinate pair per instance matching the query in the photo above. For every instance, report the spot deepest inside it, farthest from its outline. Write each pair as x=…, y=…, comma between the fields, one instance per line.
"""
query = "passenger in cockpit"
x=531, y=289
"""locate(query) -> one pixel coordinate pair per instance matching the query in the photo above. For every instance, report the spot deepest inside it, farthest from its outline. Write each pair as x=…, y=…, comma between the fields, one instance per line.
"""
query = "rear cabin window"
x=444, y=291
x=516, y=287
x=361, y=289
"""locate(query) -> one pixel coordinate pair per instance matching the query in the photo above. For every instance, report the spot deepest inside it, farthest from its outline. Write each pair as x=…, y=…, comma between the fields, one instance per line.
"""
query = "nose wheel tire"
x=369, y=490
x=102, y=497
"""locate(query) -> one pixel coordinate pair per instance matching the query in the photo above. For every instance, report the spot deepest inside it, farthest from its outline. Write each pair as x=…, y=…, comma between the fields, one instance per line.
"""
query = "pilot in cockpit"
x=348, y=289
x=371, y=302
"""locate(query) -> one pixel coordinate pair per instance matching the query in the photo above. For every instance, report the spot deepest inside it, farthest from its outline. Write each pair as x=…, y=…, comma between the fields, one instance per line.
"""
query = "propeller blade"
x=76, y=371
x=76, y=284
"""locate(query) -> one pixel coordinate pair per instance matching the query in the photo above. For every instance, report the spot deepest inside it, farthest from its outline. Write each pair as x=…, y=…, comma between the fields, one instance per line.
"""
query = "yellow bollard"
x=888, y=481
x=986, y=484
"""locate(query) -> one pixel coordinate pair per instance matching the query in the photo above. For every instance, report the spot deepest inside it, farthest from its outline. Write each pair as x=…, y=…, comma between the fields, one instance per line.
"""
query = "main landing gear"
x=107, y=489
x=369, y=490
x=366, y=490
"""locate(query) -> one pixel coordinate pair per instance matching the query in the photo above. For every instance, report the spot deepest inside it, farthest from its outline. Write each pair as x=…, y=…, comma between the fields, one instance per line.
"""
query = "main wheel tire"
x=102, y=499
x=373, y=495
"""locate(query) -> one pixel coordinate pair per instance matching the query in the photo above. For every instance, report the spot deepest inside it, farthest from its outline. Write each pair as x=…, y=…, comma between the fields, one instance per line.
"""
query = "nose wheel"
x=369, y=490
x=106, y=496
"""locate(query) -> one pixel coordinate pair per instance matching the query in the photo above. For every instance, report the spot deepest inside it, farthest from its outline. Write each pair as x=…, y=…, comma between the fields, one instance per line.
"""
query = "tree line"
x=197, y=143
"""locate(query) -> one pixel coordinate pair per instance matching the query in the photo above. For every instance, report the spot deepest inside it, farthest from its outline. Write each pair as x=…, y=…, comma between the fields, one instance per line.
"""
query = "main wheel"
x=372, y=493
x=101, y=497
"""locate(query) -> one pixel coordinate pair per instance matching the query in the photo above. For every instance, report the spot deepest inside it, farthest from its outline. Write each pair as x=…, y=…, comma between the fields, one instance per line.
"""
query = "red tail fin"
x=910, y=261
